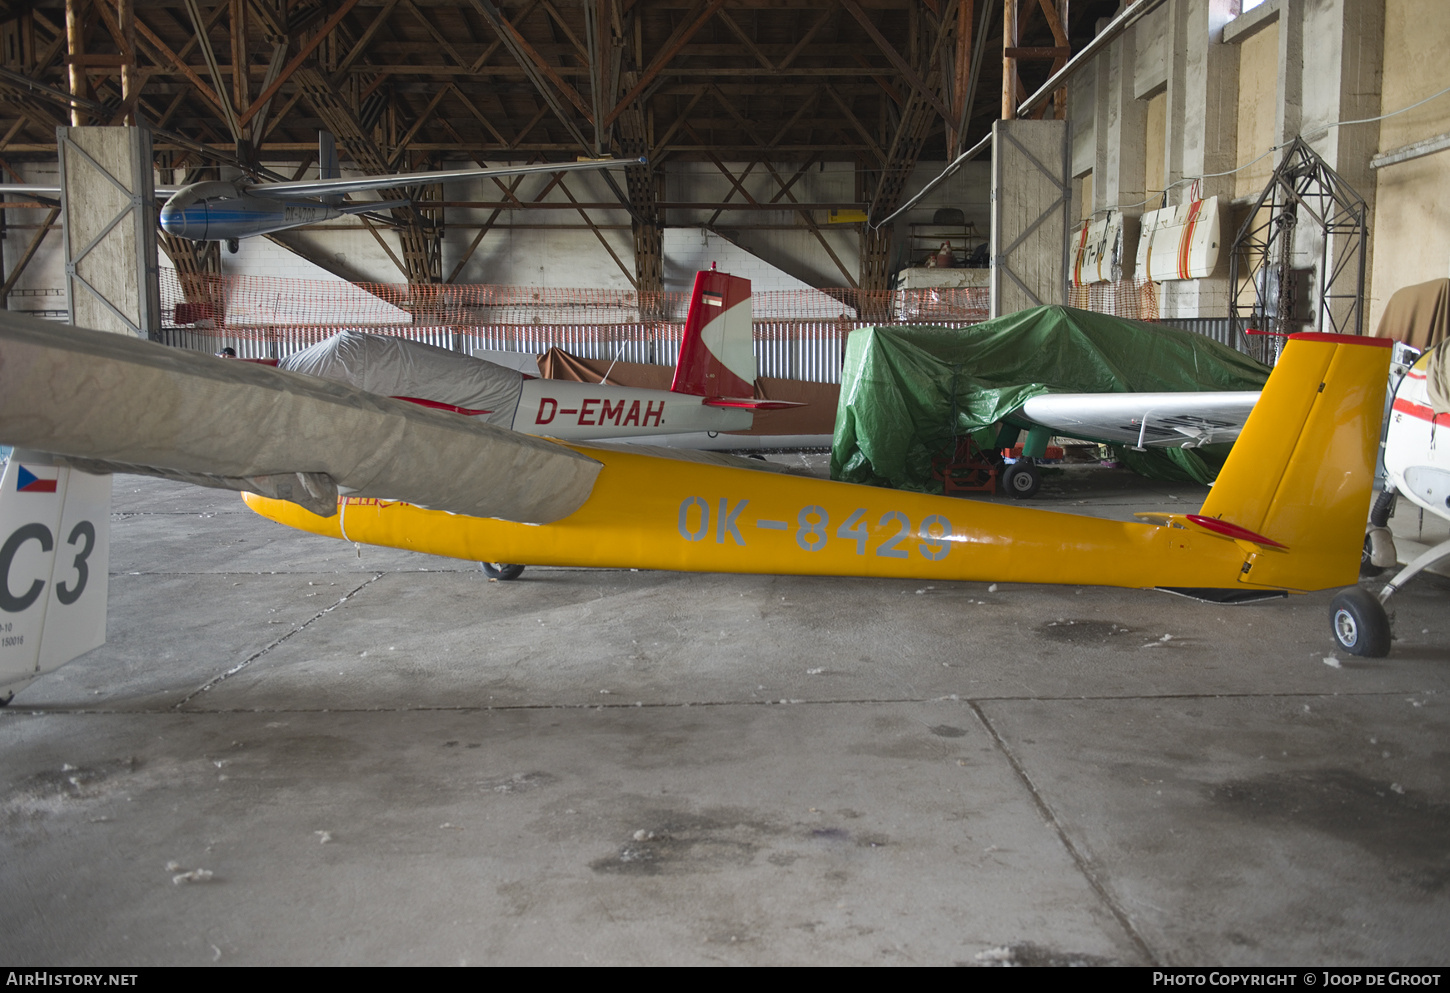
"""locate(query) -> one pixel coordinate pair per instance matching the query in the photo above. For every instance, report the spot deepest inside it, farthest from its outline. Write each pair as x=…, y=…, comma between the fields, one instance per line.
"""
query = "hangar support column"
x=1342, y=82
x=1201, y=132
x=109, y=229
x=1031, y=214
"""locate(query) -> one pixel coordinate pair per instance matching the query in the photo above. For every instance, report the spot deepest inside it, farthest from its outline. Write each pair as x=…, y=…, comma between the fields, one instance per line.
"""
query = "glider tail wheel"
x=1022, y=480
x=501, y=570
x=1359, y=623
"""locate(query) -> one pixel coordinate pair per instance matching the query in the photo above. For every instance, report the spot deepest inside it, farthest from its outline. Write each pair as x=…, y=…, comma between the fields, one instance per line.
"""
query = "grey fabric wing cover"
x=121, y=402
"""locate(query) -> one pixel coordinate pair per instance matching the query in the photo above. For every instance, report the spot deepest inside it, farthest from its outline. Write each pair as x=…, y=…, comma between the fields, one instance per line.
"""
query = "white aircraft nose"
x=184, y=222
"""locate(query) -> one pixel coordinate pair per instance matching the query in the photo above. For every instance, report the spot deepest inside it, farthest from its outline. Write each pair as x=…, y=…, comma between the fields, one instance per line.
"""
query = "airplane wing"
x=324, y=187
x=109, y=402
x=1180, y=420
x=41, y=190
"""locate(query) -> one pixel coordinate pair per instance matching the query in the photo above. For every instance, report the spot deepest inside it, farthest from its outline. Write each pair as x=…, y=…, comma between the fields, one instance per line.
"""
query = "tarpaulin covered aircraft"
x=1287, y=514
x=909, y=393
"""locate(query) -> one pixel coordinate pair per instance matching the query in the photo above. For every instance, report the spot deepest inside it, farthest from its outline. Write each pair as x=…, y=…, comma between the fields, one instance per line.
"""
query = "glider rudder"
x=717, y=355
x=1300, y=474
x=54, y=563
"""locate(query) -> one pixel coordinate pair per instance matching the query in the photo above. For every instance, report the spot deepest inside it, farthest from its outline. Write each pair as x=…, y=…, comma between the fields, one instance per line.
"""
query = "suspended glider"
x=229, y=210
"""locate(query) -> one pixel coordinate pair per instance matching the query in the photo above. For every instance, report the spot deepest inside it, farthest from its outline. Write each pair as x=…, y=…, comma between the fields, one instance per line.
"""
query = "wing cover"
x=94, y=396
x=395, y=367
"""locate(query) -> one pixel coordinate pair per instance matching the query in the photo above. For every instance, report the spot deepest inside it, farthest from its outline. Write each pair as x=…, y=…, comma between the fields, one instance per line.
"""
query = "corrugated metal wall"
x=806, y=350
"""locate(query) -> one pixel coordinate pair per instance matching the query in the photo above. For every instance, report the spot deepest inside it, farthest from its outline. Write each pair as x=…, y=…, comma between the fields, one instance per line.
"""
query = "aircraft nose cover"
x=396, y=367
x=140, y=406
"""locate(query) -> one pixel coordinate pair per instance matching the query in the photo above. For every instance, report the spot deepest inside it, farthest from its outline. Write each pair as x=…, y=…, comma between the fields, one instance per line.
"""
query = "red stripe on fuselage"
x=1421, y=412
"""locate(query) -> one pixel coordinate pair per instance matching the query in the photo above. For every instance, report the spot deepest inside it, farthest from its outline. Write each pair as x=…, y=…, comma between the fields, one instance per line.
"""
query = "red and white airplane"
x=1417, y=466
x=713, y=389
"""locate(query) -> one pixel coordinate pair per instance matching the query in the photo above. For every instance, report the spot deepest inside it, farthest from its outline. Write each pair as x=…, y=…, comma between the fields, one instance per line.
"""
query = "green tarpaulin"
x=908, y=392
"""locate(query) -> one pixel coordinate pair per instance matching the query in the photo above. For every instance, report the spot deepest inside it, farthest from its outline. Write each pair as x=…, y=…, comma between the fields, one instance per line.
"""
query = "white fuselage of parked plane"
x=576, y=411
x=1418, y=467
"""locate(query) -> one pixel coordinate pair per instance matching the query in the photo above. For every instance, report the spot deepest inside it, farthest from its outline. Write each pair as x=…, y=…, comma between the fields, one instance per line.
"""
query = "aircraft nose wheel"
x=1359, y=623
x=1022, y=480
x=501, y=570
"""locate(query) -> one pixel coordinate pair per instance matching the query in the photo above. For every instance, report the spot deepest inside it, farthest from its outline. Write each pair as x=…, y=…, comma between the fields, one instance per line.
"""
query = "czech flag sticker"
x=40, y=480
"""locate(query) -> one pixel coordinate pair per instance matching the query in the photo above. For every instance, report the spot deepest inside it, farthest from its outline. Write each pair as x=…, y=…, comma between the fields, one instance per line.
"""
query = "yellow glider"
x=1287, y=513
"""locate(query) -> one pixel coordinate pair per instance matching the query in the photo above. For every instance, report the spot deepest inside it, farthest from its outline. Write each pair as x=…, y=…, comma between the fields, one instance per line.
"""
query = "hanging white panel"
x=1099, y=254
x=1181, y=242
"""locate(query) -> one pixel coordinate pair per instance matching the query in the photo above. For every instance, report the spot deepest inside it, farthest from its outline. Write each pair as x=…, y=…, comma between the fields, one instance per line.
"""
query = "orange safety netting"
x=253, y=306
x=1133, y=299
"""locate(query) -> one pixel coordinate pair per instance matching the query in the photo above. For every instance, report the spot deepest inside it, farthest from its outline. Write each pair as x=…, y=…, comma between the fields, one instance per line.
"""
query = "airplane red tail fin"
x=717, y=357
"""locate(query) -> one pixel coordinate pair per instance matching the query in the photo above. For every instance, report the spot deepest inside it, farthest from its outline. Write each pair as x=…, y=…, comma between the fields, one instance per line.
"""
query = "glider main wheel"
x=234, y=245
x=1022, y=480
x=1359, y=623
x=501, y=570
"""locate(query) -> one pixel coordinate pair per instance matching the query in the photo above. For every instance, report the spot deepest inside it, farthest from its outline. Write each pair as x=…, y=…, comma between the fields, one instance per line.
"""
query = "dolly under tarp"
x=908, y=392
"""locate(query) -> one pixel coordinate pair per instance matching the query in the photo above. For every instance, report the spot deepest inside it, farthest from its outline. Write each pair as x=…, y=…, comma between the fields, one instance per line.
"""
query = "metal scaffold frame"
x=1302, y=189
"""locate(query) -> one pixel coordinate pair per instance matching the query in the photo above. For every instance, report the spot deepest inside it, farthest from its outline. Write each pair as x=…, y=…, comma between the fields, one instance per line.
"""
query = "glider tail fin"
x=1302, y=470
x=327, y=164
x=54, y=560
x=717, y=356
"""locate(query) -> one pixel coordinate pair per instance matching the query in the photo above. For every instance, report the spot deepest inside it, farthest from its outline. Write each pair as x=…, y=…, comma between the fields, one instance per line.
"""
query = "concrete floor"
x=385, y=758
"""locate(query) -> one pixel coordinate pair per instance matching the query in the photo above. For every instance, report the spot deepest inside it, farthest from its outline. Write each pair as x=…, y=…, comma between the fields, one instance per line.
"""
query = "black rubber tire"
x=501, y=570
x=1022, y=480
x=1359, y=623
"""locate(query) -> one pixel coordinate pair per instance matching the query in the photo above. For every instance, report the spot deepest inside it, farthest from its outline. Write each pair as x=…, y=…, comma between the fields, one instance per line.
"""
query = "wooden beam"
x=75, y=47
x=204, y=43
x=385, y=246
x=1040, y=52
x=297, y=60
x=563, y=25
x=1010, y=82
x=745, y=40
x=680, y=120
x=437, y=36
x=895, y=59
x=671, y=49
x=30, y=251
x=480, y=117
x=600, y=235
x=402, y=145
x=856, y=123
x=363, y=41
x=487, y=226
x=175, y=59
x=532, y=62
x=805, y=40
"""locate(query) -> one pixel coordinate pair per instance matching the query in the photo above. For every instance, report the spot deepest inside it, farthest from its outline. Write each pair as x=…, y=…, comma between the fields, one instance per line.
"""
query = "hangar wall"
x=1412, y=215
x=547, y=248
x=1195, y=88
